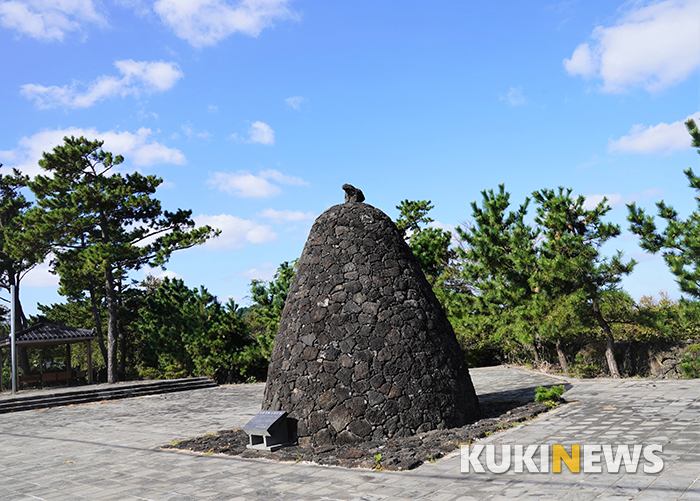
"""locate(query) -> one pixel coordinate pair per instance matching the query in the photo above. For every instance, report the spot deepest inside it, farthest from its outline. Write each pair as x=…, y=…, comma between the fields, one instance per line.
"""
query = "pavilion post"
x=68, y=360
x=13, y=345
x=0, y=370
x=88, y=343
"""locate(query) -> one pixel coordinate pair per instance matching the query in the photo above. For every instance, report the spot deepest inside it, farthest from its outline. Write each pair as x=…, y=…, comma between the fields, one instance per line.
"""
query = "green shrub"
x=694, y=348
x=377, y=461
x=150, y=373
x=586, y=371
x=5, y=373
x=549, y=396
x=690, y=363
x=175, y=372
x=584, y=365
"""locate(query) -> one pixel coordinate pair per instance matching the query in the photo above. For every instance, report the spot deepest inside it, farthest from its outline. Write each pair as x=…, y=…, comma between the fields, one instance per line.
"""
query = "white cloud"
x=276, y=175
x=245, y=184
x=9, y=155
x=653, y=46
x=515, y=96
x=137, y=77
x=642, y=257
x=287, y=215
x=48, y=19
x=263, y=271
x=661, y=138
x=141, y=8
x=137, y=148
x=645, y=195
x=41, y=276
x=144, y=115
x=295, y=102
x=159, y=75
x=443, y=226
x=207, y=22
x=581, y=62
x=260, y=234
x=235, y=232
x=454, y=240
x=258, y=132
x=618, y=200
x=190, y=132
x=592, y=201
x=261, y=133
x=159, y=273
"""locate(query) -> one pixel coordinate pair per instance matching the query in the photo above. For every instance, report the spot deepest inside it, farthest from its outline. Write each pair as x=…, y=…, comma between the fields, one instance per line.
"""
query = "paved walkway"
x=59, y=390
x=110, y=451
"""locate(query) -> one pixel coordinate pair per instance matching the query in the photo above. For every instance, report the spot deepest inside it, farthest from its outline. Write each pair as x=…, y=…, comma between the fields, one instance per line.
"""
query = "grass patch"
x=551, y=396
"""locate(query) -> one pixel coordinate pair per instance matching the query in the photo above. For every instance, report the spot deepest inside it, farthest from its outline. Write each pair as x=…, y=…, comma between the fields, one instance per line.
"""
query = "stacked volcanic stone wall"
x=364, y=350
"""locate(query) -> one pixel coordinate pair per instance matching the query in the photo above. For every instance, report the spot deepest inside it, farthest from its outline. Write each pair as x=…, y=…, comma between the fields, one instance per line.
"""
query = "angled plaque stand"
x=267, y=431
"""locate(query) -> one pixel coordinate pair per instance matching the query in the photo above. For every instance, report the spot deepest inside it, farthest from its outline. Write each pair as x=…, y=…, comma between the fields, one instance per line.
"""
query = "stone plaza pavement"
x=111, y=450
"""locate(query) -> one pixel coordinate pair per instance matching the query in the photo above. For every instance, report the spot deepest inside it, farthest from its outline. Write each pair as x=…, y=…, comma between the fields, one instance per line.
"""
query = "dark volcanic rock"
x=353, y=194
x=396, y=453
x=364, y=350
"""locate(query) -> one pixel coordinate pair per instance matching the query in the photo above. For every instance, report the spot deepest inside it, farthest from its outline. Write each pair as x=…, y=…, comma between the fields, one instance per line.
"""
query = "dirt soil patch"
x=395, y=454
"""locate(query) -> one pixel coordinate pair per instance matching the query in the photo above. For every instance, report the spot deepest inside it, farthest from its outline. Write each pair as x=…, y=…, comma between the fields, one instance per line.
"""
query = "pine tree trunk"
x=20, y=318
x=112, y=334
x=535, y=353
x=23, y=359
x=97, y=321
x=562, y=357
x=122, y=344
x=122, y=335
x=610, y=355
x=112, y=307
x=609, y=342
x=20, y=323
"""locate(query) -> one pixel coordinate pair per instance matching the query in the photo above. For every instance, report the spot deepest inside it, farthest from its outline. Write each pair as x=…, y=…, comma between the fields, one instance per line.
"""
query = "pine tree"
x=498, y=255
x=189, y=330
x=269, y=298
x=13, y=205
x=430, y=246
x=679, y=242
x=569, y=261
x=101, y=224
x=532, y=281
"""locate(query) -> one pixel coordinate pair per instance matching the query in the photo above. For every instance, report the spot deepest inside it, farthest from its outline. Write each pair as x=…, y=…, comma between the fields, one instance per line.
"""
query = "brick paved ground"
x=110, y=451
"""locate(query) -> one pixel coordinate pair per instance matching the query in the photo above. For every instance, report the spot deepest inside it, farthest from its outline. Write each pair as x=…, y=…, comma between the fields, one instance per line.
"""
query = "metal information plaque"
x=267, y=431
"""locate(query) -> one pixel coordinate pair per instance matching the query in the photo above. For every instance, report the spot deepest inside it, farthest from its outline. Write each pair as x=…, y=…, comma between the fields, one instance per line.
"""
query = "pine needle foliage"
x=100, y=224
x=679, y=242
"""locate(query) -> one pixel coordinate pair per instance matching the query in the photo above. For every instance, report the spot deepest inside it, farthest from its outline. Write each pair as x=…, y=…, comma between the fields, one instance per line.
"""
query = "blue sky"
x=256, y=112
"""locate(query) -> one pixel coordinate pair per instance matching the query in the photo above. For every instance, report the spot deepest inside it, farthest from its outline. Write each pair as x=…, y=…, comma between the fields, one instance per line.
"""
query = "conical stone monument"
x=364, y=350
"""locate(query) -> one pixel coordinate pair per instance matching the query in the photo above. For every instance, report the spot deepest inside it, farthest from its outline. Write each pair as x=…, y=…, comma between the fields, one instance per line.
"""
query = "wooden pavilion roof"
x=46, y=333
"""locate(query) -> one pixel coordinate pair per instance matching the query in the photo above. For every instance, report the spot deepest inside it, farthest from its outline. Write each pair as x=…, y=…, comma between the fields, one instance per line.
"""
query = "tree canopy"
x=100, y=224
x=188, y=330
x=679, y=242
x=13, y=206
x=430, y=245
x=536, y=280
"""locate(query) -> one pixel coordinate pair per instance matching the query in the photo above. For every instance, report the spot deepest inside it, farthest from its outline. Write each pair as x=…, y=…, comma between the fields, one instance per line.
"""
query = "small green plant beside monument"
x=551, y=396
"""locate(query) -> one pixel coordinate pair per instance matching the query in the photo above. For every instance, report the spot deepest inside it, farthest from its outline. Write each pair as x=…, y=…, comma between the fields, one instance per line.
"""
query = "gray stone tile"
x=114, y=448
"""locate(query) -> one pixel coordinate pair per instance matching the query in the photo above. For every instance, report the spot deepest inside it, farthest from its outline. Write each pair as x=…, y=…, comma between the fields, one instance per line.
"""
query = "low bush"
x=551, y=396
